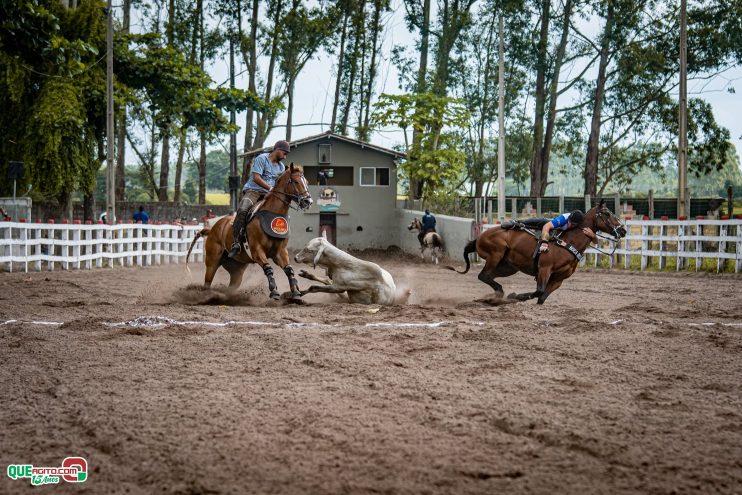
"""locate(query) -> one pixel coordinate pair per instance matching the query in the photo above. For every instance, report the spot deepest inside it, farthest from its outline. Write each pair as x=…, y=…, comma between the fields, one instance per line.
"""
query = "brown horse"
x=290, y=187
x=507, y=252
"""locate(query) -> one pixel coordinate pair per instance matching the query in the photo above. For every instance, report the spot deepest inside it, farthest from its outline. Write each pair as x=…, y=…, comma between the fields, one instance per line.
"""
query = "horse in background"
x=507, y=251
x=267, y=234
x=433, y=242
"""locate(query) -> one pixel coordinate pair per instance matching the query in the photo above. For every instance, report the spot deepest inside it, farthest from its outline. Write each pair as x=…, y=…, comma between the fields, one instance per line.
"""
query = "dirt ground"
x=620, y=383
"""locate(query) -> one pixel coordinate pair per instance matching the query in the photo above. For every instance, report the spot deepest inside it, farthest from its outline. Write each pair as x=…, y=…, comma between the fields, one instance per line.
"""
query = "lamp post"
x=683, y=203
x=111, y=171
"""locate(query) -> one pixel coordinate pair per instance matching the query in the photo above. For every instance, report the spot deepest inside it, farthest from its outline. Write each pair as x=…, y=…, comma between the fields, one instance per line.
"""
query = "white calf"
x=365, y=282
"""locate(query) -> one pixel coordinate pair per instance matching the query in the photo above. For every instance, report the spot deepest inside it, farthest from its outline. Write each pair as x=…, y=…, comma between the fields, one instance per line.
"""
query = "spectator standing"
x=141, y=215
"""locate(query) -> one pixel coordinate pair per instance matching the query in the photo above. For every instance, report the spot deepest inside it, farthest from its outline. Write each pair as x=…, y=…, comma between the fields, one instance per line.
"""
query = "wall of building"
x=366, y=215
x=456, y=233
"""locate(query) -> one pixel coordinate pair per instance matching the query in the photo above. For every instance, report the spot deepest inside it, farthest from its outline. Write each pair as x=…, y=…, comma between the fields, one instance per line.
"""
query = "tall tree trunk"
x=538, y=181
x=202, y=170
x=165, y=156
x=420, y=87
x=290, y=107
x=164, y=164
x=553, y=94
x=120, y=189
x=364, y=135
x=358, y=25
x=266, y=119
x=341, y=65
x=484, y=109
x=179, y=163
x=252, y=67
x=593, y=142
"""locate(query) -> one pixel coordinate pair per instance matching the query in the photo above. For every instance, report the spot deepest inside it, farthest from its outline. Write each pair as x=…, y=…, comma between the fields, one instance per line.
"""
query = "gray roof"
x=329, y=135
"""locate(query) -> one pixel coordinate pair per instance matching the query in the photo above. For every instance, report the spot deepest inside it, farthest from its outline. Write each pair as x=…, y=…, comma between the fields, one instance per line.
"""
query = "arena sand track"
x=620, y=383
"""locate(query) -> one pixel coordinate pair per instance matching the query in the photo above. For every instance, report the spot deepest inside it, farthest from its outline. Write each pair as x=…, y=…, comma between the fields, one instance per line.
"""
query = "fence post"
x=561, y=204
x=514, y=208
x=38, y=252
x=663, y=231
x=65, y=248
x=738, y=250
x=699, y=243
x=76, y=247
x=24, y=238
x=650, y=199
x=645, y=232
x=681, y=246
x=722, y=248
x=617, y=204
x=538, y=206
x=588, y=203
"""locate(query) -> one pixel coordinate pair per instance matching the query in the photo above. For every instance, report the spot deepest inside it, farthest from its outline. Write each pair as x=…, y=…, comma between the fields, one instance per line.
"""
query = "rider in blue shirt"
x=266, y=169
x=565, y=221
x=428, y=225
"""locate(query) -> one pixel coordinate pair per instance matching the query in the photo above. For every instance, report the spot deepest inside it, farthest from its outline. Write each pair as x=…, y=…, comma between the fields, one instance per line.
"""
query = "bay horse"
x=508, y=251
x=432, y=241
x=270, y=213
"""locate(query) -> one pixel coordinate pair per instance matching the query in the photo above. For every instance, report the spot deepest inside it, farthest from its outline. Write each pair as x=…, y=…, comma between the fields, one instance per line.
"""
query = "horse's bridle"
x=604, y=215
x=303, y=200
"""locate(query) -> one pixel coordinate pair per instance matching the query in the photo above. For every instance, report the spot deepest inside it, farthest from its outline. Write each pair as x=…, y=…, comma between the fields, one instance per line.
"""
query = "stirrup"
x=234, y=250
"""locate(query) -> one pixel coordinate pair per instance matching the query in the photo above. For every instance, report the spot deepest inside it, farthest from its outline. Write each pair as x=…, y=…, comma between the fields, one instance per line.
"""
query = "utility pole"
x=683, y=203
x=501, y=121
x=111, y=170
x=233, y=186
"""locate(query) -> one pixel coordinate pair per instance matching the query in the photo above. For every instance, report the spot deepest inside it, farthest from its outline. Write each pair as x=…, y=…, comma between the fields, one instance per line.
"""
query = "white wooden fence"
x=652, y=243
x=649, y=244
x=37, y=246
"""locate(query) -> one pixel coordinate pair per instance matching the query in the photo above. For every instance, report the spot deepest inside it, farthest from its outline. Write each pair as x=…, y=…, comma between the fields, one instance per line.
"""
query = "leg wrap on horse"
x=293, y=283
x=268, y=270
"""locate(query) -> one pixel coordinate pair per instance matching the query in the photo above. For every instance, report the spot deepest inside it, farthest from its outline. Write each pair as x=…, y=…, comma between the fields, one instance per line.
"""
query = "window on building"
x=324, y=153
x=334, y=176
x=374, y=176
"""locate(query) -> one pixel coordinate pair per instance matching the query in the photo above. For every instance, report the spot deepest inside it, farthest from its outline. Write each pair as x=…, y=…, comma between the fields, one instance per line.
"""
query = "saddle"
x=525, y=224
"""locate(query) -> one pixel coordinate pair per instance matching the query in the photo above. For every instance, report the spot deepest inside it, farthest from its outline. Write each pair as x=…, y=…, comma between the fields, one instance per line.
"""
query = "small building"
x=354, y=188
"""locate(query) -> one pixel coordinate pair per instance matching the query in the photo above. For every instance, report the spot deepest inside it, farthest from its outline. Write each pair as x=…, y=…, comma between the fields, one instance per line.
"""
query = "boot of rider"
x=239, y=227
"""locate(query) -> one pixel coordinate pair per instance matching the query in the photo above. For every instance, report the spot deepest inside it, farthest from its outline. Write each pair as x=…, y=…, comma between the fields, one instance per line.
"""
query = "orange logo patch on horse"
x=280, y=226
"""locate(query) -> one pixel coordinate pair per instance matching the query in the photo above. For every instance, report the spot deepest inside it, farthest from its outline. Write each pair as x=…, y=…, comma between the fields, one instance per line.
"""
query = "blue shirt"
x=141, y=216
x=561, y=220
x=428, y=221
x=267, y=170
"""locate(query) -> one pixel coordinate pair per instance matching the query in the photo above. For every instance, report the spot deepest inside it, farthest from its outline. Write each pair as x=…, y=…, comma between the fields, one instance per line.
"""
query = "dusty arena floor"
x=620, y=383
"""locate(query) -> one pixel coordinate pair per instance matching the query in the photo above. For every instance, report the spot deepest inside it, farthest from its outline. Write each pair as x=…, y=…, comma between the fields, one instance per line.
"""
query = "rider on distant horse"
x=428, y=225
x=266, y=168
x=565, y=221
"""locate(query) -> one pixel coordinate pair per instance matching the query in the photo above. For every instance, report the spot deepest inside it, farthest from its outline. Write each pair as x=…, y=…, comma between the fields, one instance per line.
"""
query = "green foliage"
x=437, y=159
x=51, y=92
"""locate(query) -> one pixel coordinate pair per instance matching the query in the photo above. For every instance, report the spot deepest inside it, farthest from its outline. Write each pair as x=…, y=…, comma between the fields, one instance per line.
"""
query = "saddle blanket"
x=274, y=225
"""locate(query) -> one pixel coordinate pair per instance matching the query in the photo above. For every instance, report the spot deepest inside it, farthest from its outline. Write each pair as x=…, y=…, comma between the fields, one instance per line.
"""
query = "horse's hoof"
x=297, y=300
x=275, y=296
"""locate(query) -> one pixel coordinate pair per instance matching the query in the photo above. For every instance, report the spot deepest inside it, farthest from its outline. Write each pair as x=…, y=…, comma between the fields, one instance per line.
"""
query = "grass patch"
x=217, y=198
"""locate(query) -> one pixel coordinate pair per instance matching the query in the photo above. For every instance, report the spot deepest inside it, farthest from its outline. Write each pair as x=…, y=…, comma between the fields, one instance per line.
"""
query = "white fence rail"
x=654, y=243
x=37, y=246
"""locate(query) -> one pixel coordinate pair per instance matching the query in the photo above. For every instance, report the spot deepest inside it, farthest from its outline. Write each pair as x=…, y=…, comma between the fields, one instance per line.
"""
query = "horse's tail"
x=470, y=248
x=202, y=233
